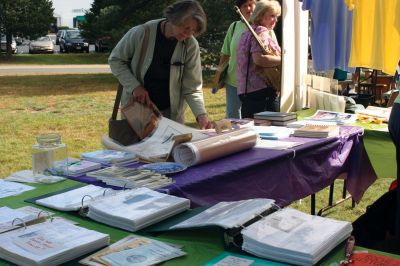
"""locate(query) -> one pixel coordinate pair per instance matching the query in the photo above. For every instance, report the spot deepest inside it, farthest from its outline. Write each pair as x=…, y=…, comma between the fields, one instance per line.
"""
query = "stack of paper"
x=149, y=251
x=27, y=176
x=49, y=243
x=317, y=131
x=110, y=157
x=294, y=237
x=73, y=200
x=74, y=167
x=135, y=209
x=302, y=123
x=131, y=177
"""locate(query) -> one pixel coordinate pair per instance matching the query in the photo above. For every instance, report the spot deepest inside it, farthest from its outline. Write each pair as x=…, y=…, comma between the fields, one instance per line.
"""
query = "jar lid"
x=48, y=139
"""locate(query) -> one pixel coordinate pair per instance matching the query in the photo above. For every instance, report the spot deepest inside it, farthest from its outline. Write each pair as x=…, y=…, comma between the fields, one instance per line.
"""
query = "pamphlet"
x=8, y=188
x=330, y=116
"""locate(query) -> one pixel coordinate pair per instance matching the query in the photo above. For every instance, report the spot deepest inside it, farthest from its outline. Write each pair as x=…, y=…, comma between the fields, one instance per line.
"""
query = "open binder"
x=259, y=227
x=229, y=217
x=48, y=242
x=11, y=219
x=131, y=209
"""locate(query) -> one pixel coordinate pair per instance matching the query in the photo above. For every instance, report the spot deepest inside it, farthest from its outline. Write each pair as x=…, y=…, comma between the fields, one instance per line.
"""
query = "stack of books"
x=317, y=131
x=110, y=157
x=274, y=118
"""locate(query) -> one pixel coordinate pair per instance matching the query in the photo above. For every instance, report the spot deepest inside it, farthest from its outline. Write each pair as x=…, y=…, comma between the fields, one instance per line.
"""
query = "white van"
x=4, y=44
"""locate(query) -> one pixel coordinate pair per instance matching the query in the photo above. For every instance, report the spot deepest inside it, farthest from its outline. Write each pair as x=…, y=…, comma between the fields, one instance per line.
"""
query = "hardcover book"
x=275, y=116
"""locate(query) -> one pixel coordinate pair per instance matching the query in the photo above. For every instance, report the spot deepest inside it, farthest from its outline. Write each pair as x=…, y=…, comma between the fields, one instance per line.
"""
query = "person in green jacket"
x=228, y=53
x=170, y=75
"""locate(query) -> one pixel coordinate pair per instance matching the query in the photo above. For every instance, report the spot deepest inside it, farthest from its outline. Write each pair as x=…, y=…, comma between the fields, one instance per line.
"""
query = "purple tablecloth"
x=282, y=175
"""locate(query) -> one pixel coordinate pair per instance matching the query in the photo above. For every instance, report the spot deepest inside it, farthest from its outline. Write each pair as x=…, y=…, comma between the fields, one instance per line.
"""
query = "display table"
x=282, y=175
x=378, y=144
x=201, y=244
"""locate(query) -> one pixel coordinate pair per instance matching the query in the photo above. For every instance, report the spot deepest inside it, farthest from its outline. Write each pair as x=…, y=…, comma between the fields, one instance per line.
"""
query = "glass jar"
x=49, y=154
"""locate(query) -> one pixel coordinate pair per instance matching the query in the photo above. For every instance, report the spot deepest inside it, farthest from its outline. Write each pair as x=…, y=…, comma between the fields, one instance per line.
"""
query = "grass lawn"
x=78, y=107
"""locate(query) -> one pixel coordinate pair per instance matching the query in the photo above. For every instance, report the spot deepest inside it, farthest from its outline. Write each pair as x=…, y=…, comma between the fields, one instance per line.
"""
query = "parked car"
x=72, y=41
x=4, y=44
x=41, y=45
x=52, y=37
x=102, y=44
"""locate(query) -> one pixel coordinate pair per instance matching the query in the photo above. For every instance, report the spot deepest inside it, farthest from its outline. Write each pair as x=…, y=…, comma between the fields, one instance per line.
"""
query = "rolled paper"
x=197, y=152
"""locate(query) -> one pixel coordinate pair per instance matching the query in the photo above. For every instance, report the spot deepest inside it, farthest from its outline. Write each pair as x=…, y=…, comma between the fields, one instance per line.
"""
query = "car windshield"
x=73, y=34
x=45, y=38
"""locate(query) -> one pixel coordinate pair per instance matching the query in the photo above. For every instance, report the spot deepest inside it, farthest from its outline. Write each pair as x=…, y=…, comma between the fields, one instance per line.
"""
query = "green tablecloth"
x=378, y=144
x=200, y=244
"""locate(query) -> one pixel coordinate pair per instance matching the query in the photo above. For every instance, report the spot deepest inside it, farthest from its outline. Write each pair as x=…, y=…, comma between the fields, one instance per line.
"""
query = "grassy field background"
x=78, y=107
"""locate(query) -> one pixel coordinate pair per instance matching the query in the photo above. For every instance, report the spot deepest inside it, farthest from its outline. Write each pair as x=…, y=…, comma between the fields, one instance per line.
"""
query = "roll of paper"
x=197, y=152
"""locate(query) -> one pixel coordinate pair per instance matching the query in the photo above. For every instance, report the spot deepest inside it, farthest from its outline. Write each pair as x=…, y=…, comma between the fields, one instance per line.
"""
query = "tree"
x=26, y=17
x=113, y=18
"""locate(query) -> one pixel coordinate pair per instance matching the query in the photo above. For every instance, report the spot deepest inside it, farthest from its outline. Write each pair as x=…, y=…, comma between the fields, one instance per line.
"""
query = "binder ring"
x=48, y=215
x=84, y=198
x=104, y=192
x=22, y=222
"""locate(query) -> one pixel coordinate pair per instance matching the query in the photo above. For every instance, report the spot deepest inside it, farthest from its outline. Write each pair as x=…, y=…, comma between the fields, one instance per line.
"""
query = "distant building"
x=78, y=21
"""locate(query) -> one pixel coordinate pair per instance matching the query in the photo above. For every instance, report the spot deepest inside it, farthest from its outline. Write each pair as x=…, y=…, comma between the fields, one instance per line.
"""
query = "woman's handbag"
x=120, y=130
x=222, y=70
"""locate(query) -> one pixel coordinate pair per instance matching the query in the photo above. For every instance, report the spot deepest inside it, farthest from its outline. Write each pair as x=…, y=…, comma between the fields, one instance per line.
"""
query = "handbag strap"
x=247, y=72
x=141, y=58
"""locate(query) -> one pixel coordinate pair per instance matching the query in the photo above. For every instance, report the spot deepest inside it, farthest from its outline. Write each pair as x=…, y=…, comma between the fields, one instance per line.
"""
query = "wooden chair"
x=374, y=85
x=392, y=97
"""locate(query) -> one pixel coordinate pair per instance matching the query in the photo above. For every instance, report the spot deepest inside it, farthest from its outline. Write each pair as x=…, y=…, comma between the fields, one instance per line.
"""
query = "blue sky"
x=67, y=9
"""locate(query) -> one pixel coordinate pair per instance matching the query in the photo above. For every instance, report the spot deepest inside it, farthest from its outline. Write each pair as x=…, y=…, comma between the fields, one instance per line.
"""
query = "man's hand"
x=141, y=95
x=203, y=121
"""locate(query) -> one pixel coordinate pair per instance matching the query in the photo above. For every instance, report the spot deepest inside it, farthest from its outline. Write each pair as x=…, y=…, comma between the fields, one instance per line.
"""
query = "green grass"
x=78, y=107
x=54, y=59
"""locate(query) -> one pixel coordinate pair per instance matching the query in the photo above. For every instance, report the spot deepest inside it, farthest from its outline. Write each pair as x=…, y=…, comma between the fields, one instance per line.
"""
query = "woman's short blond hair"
x=180, y=11
x=265, y=6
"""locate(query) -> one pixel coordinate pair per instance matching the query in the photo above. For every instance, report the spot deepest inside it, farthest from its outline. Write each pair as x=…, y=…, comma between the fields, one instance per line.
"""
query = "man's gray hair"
x=180, y=11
